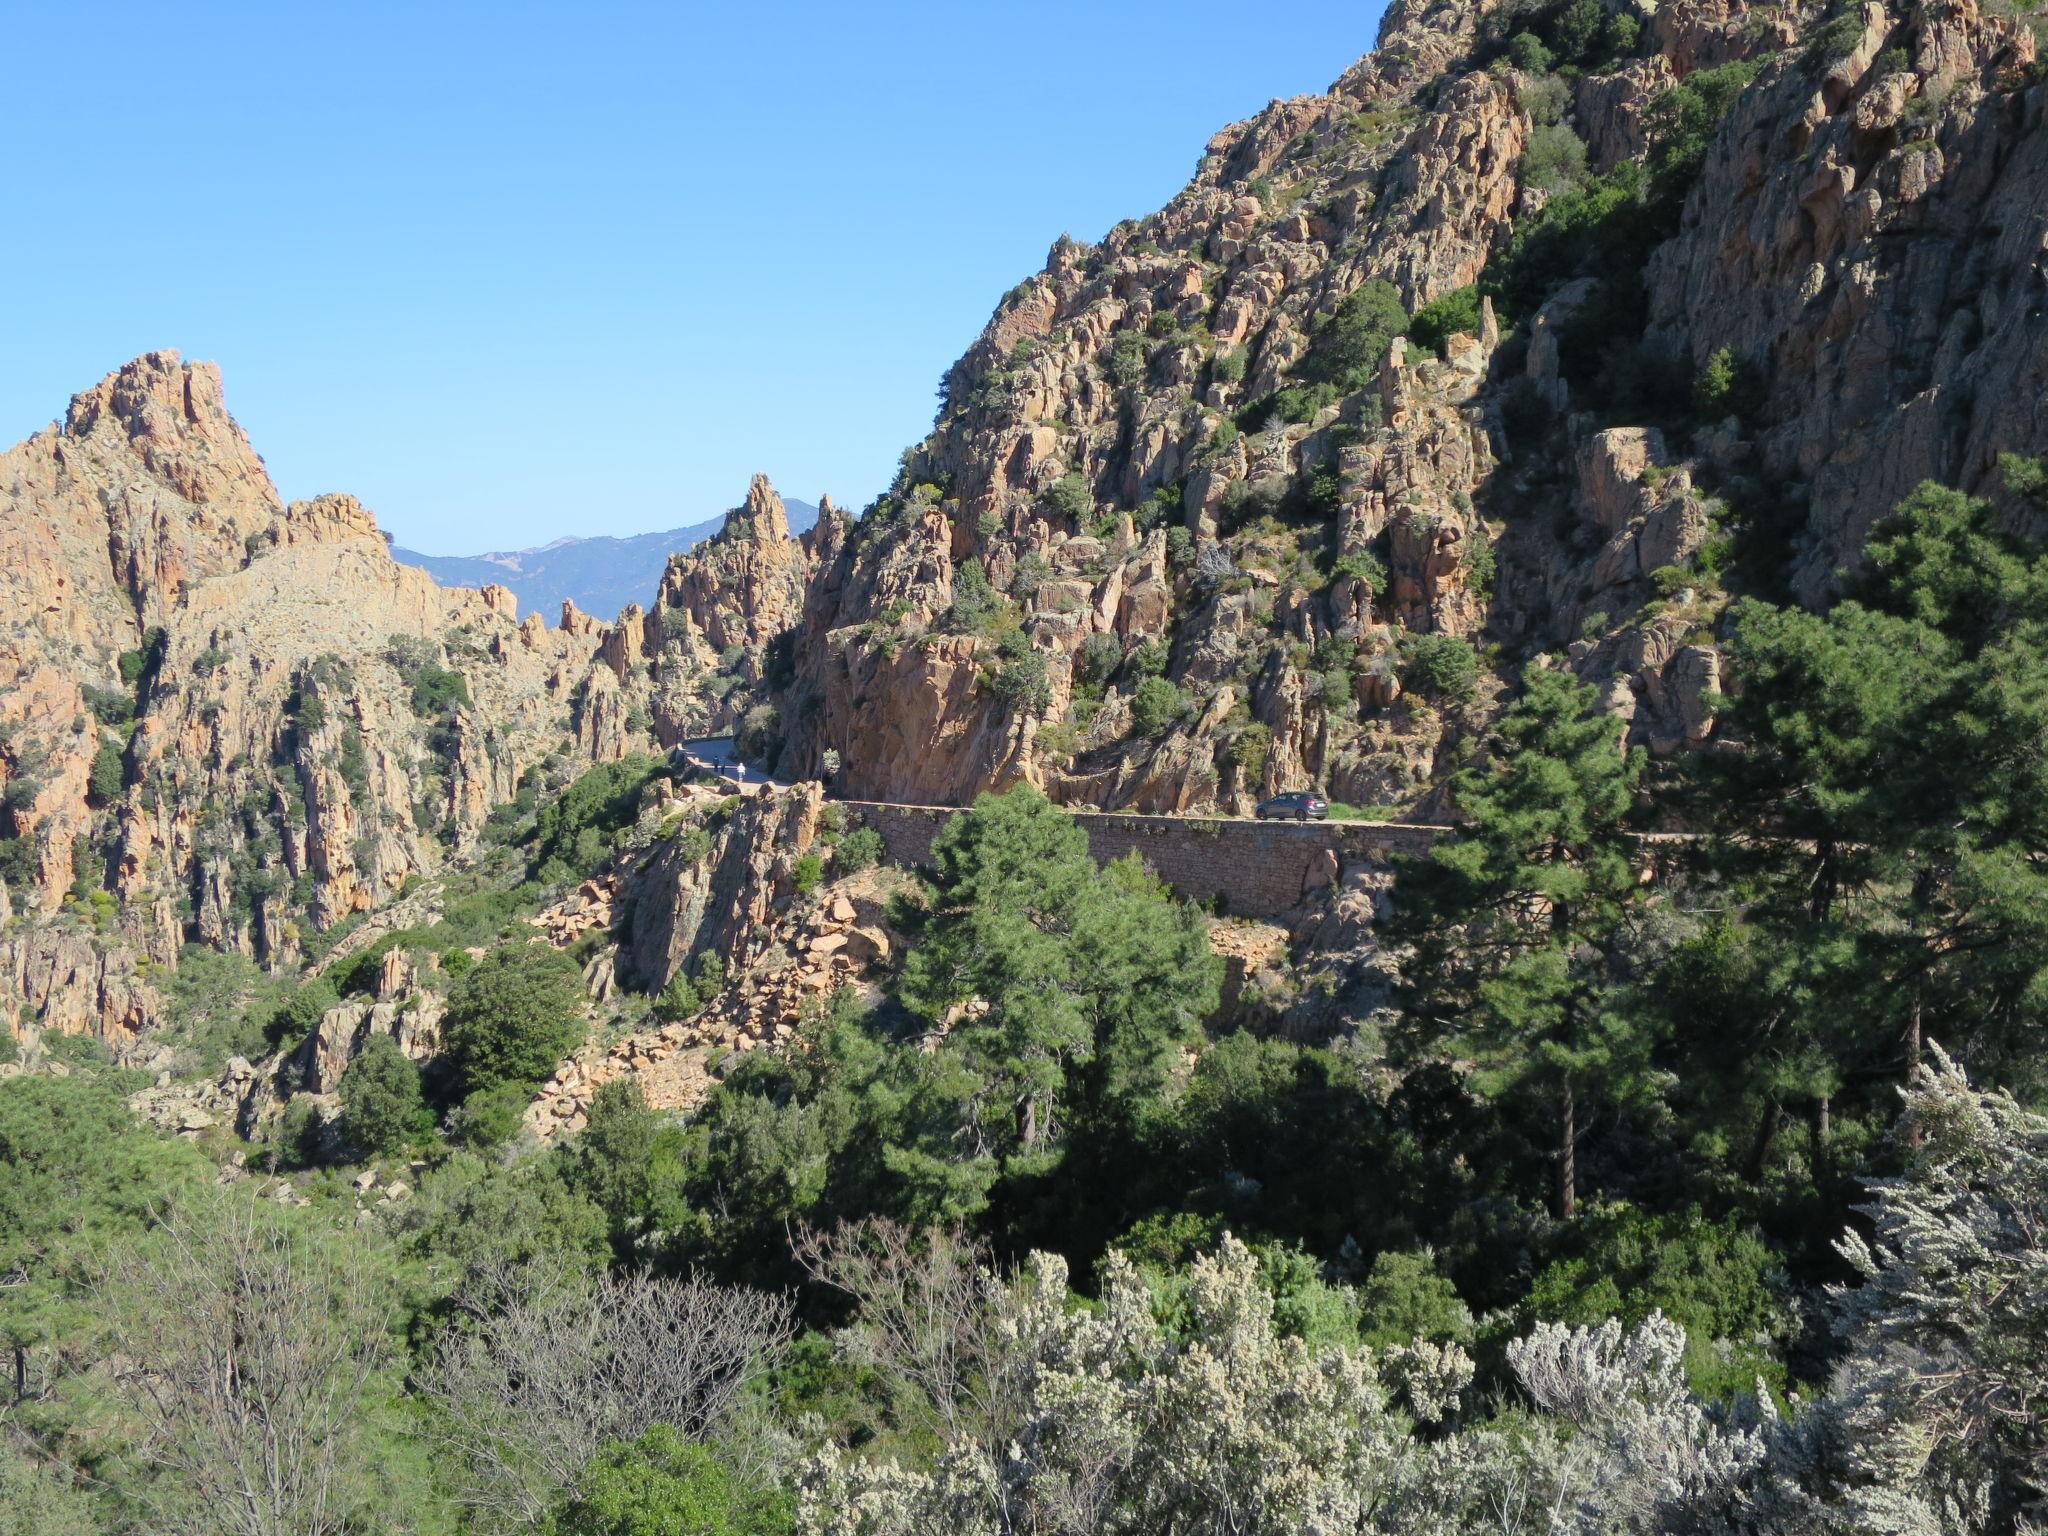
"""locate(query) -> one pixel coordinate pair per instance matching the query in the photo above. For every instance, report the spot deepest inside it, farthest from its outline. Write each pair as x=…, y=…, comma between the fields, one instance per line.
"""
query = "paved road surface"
x=721, y=756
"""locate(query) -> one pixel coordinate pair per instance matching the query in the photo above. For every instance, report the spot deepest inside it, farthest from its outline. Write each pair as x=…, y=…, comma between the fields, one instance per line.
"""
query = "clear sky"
x=514, y=271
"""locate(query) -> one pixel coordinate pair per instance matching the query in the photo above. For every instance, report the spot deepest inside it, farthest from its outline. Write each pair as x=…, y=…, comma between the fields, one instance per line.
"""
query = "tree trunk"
x=1818, y=1128
x=20, y=1373
x=1567, y=1200
x=1766, y=1137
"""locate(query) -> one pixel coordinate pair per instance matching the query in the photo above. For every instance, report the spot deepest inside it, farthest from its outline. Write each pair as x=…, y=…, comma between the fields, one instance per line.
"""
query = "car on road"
x=1302, y=805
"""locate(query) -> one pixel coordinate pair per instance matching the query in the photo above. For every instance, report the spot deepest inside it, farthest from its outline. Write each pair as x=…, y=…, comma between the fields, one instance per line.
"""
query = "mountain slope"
x=1695, y=297
x=599, y=575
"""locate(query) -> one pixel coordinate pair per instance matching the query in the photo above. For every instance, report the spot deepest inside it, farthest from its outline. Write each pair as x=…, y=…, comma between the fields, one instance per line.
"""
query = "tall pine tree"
x=1512, y=920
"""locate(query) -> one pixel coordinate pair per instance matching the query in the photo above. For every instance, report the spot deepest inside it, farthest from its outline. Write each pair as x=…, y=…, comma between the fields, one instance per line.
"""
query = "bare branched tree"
x=543, y=1364
x=242, y=1357
x=933, y=1313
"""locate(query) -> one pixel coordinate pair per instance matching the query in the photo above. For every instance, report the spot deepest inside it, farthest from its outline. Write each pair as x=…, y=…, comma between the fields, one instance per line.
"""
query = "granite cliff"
x=1541, y=333
x=1510, y=338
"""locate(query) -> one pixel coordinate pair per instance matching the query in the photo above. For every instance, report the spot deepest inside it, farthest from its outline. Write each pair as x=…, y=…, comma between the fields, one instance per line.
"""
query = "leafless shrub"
x=933, y=1314
x=543, y=1364
x=242, y=1357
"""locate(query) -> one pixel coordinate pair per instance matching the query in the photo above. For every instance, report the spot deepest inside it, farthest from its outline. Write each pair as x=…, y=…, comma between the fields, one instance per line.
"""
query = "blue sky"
x=512, y=271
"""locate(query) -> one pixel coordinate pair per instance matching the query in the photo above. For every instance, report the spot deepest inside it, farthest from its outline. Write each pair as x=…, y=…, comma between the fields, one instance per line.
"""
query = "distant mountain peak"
x=603, y=573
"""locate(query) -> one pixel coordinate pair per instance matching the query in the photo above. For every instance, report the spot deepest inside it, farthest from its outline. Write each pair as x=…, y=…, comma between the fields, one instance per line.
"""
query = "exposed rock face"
x=786, y=962
x=234, y=716
x=708, y=890
x=702, y=658
x=1864, y=231
x=745, y=586
x=1097, y=406
x=1874, y=239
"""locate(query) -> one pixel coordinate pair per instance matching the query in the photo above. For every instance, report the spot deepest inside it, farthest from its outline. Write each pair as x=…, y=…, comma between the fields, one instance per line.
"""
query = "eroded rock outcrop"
x=225, y=717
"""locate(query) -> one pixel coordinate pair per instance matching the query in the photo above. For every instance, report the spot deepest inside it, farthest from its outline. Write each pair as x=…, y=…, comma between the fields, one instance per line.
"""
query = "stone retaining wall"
x=1258, y=868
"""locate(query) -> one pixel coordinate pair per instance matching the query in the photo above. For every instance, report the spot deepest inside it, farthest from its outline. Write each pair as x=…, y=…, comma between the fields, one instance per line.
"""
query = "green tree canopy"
x=80, y=1174
x=1069, y=987
x=664, y=1485
x=1512, y=917
x=513, y=1018
x=381, y=1106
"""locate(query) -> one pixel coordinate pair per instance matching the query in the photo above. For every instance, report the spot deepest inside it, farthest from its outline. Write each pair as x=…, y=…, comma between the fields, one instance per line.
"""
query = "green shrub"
x=710, y=975
x=1405, y=1298
x=578, y=825
x=1148, y=658
x=1436, y=321
x=381, y=1106
x=109, y=773
x=1249, y=750
x=664, y=1485
x=1099, y=657
x=976, y=604
x=1347, y=349
x=1230, y=365
x=1156, y=705
x=1069, y=497
x=1718, y=1279
x=110, y=706
x=1162, y=506
x=806, y=874
x=1729, y=386
x=678, y=1000
x=299, y=1015
x=1527, y=53
x=1669, y=580
x=858, y=850
x=1554, y=160
x=1363, y=566
x=490, y=1118
x=513, y=1018
x=1440, y=667
x=436, y=690
x=1022, y=677
x=1125, y=364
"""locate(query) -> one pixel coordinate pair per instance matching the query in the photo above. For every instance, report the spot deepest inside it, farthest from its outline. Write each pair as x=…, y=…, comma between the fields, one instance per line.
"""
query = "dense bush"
x=1156, y=705
x=1555, y=159
x=1435, y=322
x=381, y=1105
x=1440, y=666
x=574, y=832
x=857, y=850
x=513, y=1018
x=109, y=773
x=664, y=1485
x=1345, y=351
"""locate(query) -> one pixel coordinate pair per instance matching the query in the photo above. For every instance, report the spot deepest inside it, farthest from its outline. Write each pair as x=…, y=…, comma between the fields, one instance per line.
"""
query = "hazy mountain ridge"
x=600, y=575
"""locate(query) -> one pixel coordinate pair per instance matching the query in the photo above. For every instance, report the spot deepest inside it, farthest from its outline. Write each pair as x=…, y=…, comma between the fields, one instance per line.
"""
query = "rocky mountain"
x=232, y=721
x=1532, y=341
x=599, y=575
x=1516, y=340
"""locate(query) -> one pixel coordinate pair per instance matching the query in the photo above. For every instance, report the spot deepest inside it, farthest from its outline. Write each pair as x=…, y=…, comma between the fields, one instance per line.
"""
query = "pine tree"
x=1067, y=988
x=1511, y=920
x=1892, y=788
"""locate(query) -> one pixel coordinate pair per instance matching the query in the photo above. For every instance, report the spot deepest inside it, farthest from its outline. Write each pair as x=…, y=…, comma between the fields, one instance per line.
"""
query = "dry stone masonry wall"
x=1256, y=868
